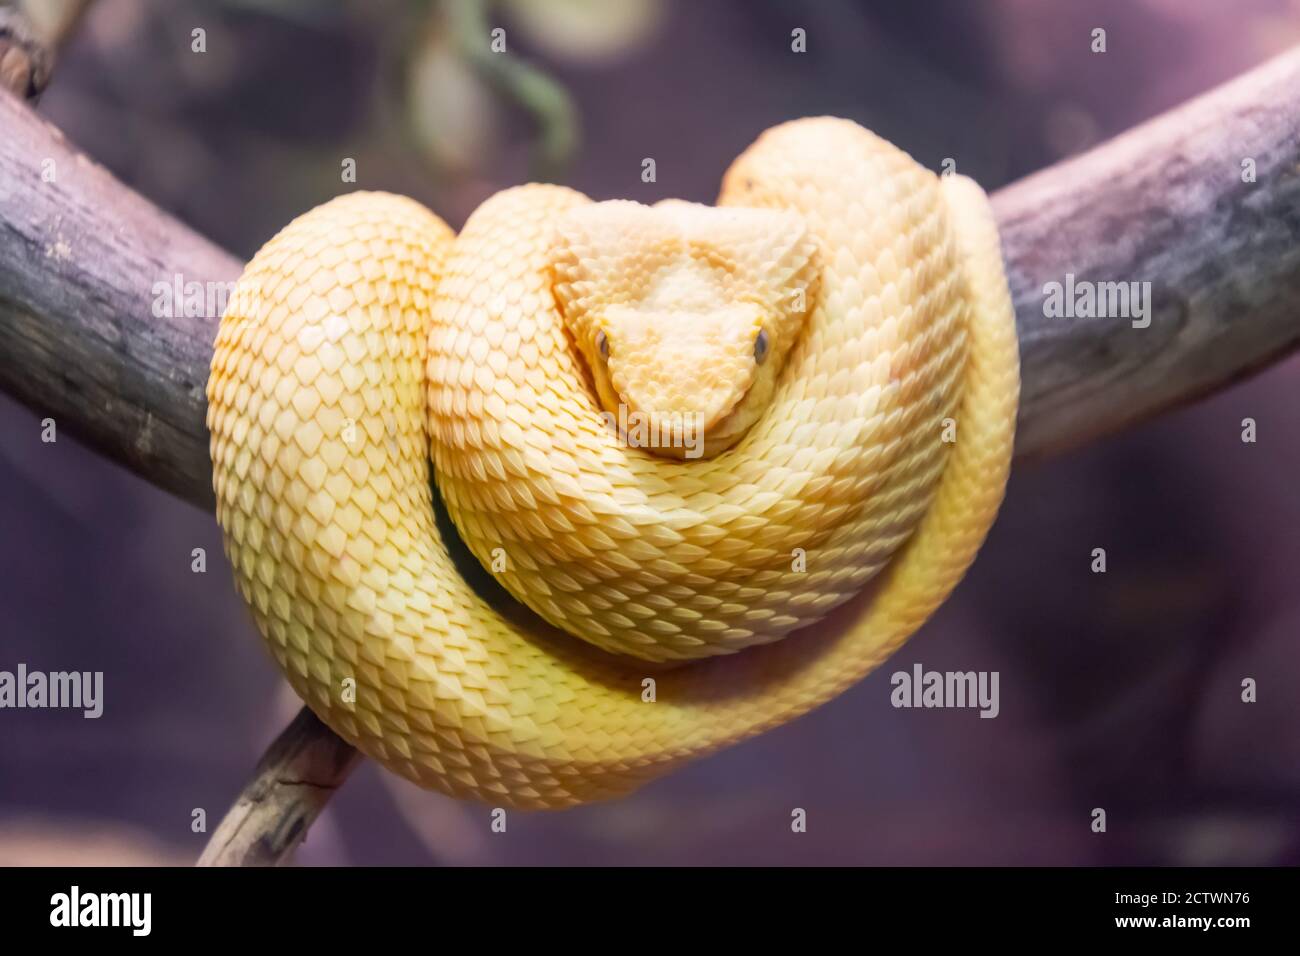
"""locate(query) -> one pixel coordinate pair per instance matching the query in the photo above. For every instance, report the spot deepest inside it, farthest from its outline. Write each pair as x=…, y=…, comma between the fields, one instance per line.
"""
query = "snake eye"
x=760, y=346
x=602, y=344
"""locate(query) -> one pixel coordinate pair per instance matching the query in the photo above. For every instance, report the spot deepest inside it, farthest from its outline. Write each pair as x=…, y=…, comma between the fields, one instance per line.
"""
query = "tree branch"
x=79, y=257
x=291, y=785
x=1166, y=203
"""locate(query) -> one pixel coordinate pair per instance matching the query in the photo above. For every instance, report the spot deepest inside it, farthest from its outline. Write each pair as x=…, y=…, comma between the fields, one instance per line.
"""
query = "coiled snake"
x=681, y=435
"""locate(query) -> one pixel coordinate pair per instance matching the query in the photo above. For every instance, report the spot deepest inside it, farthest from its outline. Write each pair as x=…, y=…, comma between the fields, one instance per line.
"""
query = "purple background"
x=1119, y=690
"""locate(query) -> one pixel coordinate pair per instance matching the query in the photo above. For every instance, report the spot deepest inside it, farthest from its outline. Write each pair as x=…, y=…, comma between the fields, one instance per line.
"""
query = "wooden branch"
x=1165, y=203
x=294, y=780
x=80, y=255
x=81, y=258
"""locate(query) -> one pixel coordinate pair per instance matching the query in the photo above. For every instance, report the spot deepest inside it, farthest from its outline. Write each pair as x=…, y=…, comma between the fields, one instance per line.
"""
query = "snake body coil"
x=843, y=328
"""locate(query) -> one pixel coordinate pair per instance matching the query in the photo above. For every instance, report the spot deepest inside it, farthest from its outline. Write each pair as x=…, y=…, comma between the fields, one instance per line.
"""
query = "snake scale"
x=837, y=338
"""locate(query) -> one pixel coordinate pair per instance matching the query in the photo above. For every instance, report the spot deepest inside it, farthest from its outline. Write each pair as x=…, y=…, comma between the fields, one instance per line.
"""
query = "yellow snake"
x=772, y=434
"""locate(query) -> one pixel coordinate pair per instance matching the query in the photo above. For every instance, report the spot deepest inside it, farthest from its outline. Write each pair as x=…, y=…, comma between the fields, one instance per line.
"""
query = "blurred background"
x=1120, y=691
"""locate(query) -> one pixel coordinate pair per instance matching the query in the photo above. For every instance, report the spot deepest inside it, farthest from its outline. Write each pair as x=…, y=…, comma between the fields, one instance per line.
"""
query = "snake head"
x=683, y=313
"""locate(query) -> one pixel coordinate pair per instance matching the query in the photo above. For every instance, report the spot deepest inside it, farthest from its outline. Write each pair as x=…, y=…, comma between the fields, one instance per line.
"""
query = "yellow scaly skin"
x=364, y=333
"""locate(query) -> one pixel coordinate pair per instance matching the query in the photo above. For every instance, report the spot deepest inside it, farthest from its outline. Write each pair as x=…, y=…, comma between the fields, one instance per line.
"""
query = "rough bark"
x=294, y=780
x=80, y=255
x=1165, y=203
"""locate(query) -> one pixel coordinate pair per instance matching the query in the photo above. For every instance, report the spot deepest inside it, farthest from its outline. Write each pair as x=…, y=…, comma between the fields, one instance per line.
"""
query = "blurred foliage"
x=587, y=31
x=546, y=102
x=457, y=91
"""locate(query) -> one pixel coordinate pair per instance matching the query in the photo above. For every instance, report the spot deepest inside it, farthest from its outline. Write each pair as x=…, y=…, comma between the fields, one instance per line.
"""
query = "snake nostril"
x=602, y=344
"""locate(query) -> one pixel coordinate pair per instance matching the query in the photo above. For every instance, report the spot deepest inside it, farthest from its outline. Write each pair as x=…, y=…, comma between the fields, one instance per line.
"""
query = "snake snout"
x=679, y=374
